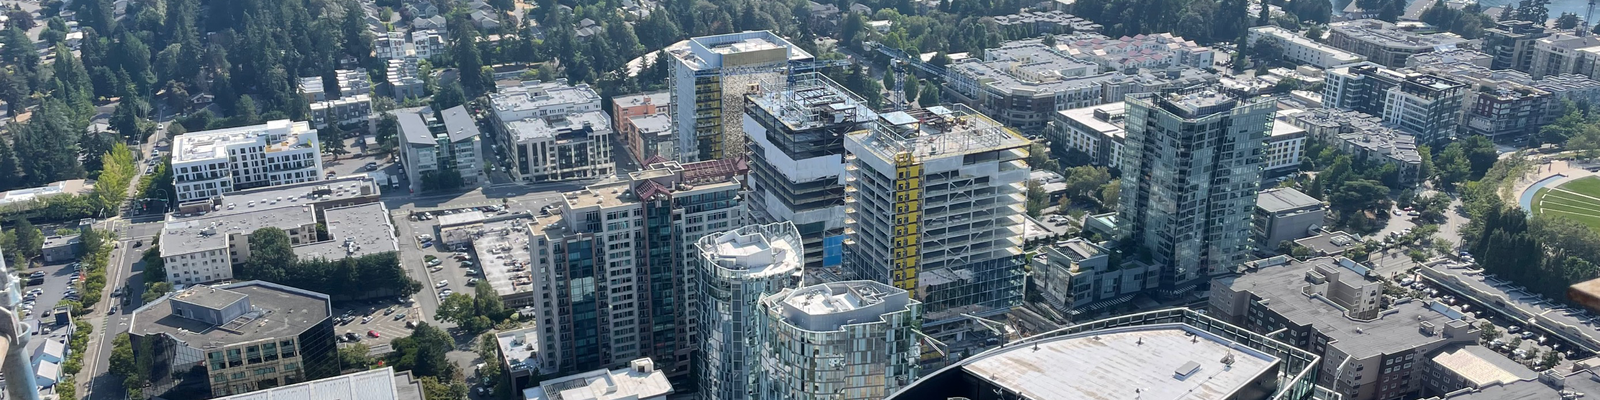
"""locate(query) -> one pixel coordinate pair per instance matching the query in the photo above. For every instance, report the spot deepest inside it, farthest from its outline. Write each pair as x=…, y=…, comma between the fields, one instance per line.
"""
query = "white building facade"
x=210, y=163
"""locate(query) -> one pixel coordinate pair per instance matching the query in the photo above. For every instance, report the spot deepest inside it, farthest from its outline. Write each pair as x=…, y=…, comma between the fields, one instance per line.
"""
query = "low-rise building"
x=353, y=231
x=1166, y=354
x=1551, y=384
x=1363, y=136
x=1386, y=43
x=213, y=341
x=639, y=381
x=1564, y=53
x=25, y=197
x=1284, y=148
x=402, y=81
x=210, y=163
x=1021, y=83
x=1156, y=51
x=1075, y=277
x=1371, y=349
x=1301, y=49
x=1471, y=367
x=1094, y=131
x=375, y=384
x=202, y=241
x=1329, y=244
x=1285, y=214
x=519, y=355
x=644, y=124
x=60, y=248
x=450, y=146
x=1035, y=23
x=554, y=131
x=1450, y=56
x=345, y=110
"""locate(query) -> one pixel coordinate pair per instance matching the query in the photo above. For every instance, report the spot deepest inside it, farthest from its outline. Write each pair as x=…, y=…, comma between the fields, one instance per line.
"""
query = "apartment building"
x=1174, y=140
x=1301, y=49
x=1095, y=132
x=1035, y=23
x=1075, y=277
x=203, y=240
x=644, y=124
x=210, y=163
x=1511, y=44
x=1285, y=147
x=934, y=206
x=853, y=340
x=1451, y=56
x=345, y=110
x=450, y=145
x=1564, y=53
x=1020, y=83
x=1385, y=43
x=1370, y=349
x=554, y=131
x=795, y=141
x=402, y=81
x=709, y=77
x=1155, y=51
x=640, y=380
x=1427, y=106
x=214, y=341
x=616, y=253
x=737, y=269
x=1285, y=214
x=1363, y=136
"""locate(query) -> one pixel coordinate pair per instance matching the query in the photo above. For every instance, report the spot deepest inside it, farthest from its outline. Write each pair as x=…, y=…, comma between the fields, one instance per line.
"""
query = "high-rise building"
x=1166, y=354
x=708, y=78
x=614, y=286
x=934, y=205
x=796, y=145
x=209, y=341
x=737, y=268
x=840, y=340
x=1190, y=174
x=209, y=163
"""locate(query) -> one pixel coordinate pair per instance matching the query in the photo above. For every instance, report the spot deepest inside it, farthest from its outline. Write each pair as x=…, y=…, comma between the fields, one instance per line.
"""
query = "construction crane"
x=898, y=67
x=1583, y=28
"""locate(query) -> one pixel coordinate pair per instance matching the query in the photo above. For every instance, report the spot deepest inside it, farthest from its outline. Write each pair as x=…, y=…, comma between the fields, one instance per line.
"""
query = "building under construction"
x=710, y=76
x=934, y=204
x=796, y=134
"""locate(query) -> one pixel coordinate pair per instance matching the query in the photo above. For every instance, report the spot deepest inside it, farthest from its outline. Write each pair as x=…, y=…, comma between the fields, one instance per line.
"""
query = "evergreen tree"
x=50, y=144
x=8, y=166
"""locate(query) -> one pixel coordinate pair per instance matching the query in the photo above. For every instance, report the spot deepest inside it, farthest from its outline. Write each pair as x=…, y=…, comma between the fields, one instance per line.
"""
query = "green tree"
x=433, y=388
x=30, y=241
x=1109, y=195
x=423, y=353
x=333, y=140
x=1084, y=181
x=271, y=254
x=1037, y=198
x=449, y=96
x=354, y=357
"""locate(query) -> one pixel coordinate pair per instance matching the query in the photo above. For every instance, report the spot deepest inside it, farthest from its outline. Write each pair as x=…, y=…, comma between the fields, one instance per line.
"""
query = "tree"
x=1535, y=11
x=1567, y=21
x=1487, y=332
x=122, y=360
x=1037, y=198
x=432, y=389
x=458, y=308
x=333, y=140
x=423, y=353
x=929, y=96
x=449, y=96
x=1082, y=182
x=354, y=357
x=271, y=254
x=1110, y=193
x=388, y=132
x=30, y=241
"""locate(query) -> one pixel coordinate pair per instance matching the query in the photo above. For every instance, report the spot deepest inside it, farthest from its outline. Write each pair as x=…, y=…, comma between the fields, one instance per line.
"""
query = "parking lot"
x=1516, y=341
x=387, y=318
x=57, y=279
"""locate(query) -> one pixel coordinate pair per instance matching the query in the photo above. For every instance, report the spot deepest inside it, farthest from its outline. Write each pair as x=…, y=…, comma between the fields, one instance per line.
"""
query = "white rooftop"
x=1166, y=361
x=213, y=144
x=753, y=252
x=637, y=382
x=377, y=384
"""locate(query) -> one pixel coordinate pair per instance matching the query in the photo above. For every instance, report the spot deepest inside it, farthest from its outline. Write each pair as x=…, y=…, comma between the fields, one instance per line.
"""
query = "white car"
x=442, y=284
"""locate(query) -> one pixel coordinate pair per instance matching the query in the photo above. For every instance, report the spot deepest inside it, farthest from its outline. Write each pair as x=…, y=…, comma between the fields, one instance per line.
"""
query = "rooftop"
x=1329, y=243
x=658, y=124
x=1305, y=42
x=1482, y=366
x=567, y=127
x=537, y=95
x=755, y=251
x=1362, y=130
x=278, y=311
x=520, y=347
x=210, y=233
x=1052, y=17
x=1283, y=287
x=1285, y=199
x=354, y=231
x=811, y=100
x=284, y=206
x=1390, y=35
x=1105, y=118
x=377, y=384
x=213, y=144
x=736, y=49
x=502, y=252
x=1163, y=361
x=415, y=129
x=1548, y=385
x=662, y=98
x=74, y=186
x=459, y=125
x=938, y=132
x=639, y=381
x=1450, y=56
x=1031, y=68
x=830, y=306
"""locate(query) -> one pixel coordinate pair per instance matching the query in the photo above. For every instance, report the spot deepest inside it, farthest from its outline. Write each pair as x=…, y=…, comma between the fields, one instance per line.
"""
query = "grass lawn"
x=1578, y=200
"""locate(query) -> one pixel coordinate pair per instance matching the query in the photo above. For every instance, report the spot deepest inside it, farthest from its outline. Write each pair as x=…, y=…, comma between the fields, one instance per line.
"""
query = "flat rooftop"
x=831, y=306
x=353, y=231
x=519, y=347
x=1163, y=361
x=502, y=253
x=210, y=233
x=656, y=124
x=640, y=380
x=1285, y=199
x=662, y=98
x=377, y=384
x=534, y=95
x=1033, y=69
x=286, y=312
x=811, y=100
x=1395, y=330
x=286, y=196
x=1390, y=35
x=1582, y=327
x=213, y=144
x=742, y=48
x=1586, y=381
x=1086, y=117
x=1481, y=366
x=938, y=132
x=569, y=127
x=755, y=251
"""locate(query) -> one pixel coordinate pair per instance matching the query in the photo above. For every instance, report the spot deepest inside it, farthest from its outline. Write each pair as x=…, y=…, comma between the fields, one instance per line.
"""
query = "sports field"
x=1578, y=200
